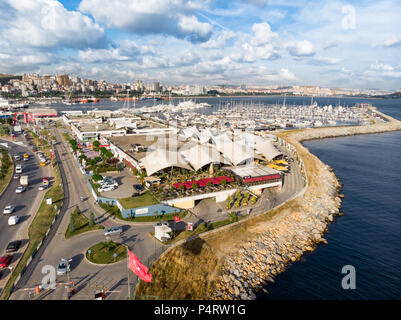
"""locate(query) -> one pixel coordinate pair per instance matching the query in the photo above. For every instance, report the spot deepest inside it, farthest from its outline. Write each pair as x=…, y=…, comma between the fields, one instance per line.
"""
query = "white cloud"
x=394, y=40
x=170, y=17
x=381, y=66
x=125, y=51
x=325, y=60
x=303, y=48
x=262, y=34
x=220, y=41
x=47, y=24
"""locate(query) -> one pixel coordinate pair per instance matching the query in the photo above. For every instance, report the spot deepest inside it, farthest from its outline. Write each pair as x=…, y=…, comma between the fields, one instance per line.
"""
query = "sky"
x=329, y=43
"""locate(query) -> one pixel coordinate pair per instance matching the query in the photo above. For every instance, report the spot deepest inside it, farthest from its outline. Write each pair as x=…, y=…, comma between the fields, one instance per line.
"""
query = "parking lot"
x=125, y=185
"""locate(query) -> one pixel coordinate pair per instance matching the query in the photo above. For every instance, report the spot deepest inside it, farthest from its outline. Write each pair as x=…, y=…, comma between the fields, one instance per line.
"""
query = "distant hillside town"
x=63, y=85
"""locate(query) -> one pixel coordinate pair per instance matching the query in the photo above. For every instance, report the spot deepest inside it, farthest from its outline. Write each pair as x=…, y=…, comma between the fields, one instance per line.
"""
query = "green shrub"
x=97, y=177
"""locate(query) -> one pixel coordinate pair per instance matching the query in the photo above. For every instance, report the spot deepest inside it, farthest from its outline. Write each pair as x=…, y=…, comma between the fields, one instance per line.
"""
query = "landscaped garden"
x=106, y=252
x=143, y=200
x=79, y=223
x=94, y=158
x=240, y=199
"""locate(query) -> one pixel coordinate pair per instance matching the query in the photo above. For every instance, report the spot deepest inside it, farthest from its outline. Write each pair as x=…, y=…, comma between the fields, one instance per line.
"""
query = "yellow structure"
x=185, y=204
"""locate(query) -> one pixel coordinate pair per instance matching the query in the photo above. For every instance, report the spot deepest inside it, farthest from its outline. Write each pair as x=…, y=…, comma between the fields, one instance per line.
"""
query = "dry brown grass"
x=183, y=273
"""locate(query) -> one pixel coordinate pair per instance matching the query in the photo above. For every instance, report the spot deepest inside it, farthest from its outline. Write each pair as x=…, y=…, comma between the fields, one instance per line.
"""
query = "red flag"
x=177, y=219
x=138, y=268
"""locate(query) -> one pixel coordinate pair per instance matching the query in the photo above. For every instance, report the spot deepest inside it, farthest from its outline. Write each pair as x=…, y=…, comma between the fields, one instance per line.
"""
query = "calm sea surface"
x=368, y=236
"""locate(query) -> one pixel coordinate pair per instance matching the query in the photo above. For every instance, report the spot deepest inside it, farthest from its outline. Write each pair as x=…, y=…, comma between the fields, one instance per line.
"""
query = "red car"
x=5, y=260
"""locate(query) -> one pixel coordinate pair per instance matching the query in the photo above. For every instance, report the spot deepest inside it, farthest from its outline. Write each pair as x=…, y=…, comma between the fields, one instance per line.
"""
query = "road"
x=86, y=276
x=26, y=203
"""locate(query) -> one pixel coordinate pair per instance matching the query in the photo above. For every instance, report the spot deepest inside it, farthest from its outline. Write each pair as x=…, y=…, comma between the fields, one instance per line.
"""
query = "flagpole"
x=136, y=286
x=129, y=288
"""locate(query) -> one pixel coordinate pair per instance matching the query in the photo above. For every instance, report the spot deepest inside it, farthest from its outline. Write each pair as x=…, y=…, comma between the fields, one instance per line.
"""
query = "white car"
x=20, y=189
x=64, y=266
x=106, y=188
x=42, y=187
x=109, y=184
x=13, y=220
x=9, y=209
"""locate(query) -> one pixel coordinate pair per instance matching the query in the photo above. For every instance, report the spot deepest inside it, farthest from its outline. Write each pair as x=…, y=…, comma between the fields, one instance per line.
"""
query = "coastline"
x=292, y=232
x=240, y=260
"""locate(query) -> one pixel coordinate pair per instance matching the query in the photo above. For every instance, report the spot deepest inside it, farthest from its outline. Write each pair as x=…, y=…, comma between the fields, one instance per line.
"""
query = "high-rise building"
x=63, y=80
x=139, y=85
x=156, y=87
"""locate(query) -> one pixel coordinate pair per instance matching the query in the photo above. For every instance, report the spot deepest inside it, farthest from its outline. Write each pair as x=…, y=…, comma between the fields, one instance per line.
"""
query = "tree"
x=97, y=177
x=91, y=219
x=71, y=227
x=96, y=144
x=194, y=186
x=108, y=154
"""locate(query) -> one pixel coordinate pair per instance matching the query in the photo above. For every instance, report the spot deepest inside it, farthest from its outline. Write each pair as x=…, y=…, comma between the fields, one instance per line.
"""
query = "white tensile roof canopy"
x=162, y=159
x=199, y=155
x=233, y=151
x=268, y=149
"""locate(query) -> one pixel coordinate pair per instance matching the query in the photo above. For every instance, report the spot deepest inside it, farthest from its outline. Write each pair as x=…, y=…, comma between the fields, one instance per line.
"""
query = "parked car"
x=13, y=246
x=20, y=189
x=18, y=169
x=13, y=220
x=17, y=158
x=106, y=188
x=5, y=260
x=109, y=184
x=113, y=230
x=42, y=187
x=63, y=266
x=138, y=187
x=16, y=176
x=108, y=180
x=9, y=209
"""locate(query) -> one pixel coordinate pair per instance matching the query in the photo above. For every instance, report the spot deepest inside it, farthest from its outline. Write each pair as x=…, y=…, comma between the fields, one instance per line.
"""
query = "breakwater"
x=296, y=228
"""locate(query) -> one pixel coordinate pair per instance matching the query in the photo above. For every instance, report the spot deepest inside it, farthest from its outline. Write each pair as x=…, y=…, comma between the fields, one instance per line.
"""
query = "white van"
x=18, y=169
x=13, y=220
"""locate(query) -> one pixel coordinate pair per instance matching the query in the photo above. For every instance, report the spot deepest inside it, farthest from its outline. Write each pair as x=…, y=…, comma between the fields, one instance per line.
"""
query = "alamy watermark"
x=349, y=20
x=49, y=280
x=349, y=280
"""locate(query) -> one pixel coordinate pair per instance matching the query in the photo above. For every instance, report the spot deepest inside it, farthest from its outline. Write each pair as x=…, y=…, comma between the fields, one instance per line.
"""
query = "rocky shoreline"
x=292, y=231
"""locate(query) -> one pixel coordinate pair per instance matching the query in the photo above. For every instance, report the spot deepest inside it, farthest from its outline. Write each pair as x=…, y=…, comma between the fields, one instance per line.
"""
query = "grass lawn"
x=146, y=199
x=4, y=182
x=102, y=253
x=114, y=211
x=38, y=228
x=184, y=234
x=81, y=225
x=95, y=186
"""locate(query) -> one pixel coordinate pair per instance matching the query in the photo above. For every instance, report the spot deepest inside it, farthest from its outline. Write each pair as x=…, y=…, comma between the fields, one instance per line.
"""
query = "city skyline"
x=259, y=42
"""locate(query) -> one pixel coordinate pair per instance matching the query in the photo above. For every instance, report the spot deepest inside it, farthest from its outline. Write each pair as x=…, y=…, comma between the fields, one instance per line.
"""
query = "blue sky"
x=354, y=44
